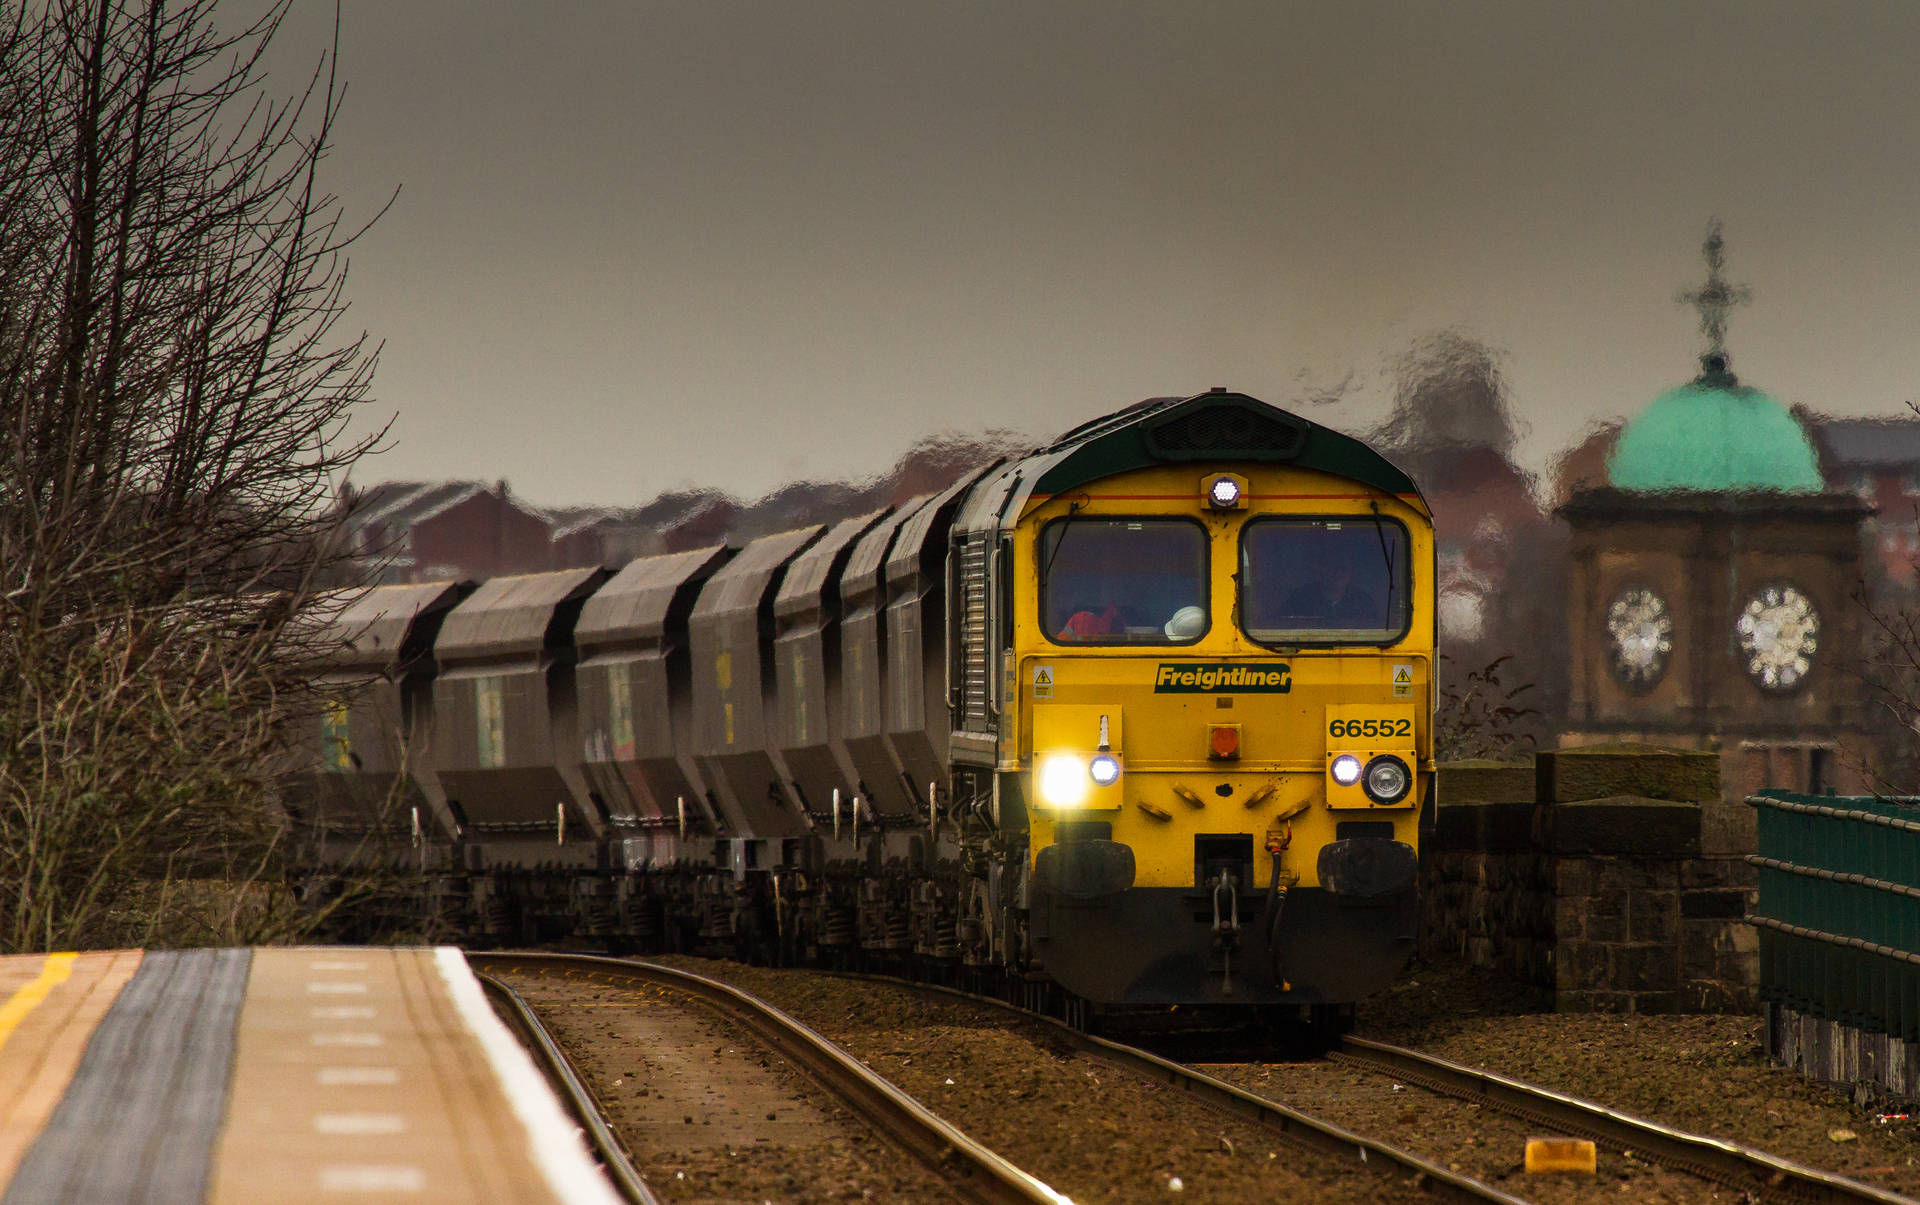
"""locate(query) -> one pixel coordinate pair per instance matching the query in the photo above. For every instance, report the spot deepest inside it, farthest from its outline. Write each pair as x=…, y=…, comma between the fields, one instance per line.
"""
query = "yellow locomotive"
x=1194, y=667
x=1140, y=721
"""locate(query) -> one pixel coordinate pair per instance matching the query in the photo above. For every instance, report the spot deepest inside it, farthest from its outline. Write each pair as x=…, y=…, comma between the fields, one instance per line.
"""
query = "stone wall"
x=1581, y=871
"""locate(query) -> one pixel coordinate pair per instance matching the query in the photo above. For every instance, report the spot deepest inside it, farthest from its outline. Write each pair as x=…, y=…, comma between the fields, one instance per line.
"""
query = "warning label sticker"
x=1043, y=681
x=1402, y=681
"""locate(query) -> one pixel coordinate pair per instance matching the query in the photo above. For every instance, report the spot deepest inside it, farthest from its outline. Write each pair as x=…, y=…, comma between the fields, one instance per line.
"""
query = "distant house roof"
x=571, y=520
x=440, y=500
x=1870, y=442
x=403, y=503
x=678, y=506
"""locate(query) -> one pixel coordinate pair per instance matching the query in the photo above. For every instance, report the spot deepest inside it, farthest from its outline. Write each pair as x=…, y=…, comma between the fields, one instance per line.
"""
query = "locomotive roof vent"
x=1225, y=431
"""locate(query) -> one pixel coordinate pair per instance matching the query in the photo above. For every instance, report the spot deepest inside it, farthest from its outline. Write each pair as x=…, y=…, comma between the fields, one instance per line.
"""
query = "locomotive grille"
x=974, y=669
x=1223, y=431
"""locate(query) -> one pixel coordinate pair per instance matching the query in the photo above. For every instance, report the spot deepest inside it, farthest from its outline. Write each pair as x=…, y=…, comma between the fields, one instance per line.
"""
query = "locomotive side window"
x=1123, y=581
x=1324, y=581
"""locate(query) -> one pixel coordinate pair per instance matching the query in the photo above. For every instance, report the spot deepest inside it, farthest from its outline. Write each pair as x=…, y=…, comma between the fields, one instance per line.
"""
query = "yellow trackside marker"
x=24, y=1001
x=1560, y=1155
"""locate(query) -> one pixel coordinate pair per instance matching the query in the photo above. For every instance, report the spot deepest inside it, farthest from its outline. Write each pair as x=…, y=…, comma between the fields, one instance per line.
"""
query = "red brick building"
x=446, y=531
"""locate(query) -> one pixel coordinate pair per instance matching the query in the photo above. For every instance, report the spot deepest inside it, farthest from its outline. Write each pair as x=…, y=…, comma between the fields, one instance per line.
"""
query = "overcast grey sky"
x=729, y=243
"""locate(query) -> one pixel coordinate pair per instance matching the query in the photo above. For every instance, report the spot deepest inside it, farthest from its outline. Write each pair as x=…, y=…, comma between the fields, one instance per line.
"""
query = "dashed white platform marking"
x=327, y=987
x=371, y=1177
x=350, y=1013
x=348, y=1039
x=359, y=1123
x=332, y=1077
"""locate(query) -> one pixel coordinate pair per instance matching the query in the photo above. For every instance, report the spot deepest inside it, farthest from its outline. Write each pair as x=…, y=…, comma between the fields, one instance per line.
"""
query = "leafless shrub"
x=1480, y=716
x=175, y=395
x=1890, y=676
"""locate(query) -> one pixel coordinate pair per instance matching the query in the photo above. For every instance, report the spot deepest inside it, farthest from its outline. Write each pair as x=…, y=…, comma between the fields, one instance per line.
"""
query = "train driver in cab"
x=1337, y=597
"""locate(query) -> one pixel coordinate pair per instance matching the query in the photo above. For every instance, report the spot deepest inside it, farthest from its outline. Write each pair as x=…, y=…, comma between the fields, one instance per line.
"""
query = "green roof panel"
x=1218, y=428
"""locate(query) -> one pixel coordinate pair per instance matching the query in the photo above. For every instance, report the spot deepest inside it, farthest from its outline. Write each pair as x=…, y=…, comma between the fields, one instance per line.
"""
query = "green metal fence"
x=1839, y=911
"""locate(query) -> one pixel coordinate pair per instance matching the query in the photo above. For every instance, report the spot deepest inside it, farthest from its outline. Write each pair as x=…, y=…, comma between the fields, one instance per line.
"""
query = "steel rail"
x=573, y=1090
x=1303, y=1129
x=1740, y=1167
x=970, y=1170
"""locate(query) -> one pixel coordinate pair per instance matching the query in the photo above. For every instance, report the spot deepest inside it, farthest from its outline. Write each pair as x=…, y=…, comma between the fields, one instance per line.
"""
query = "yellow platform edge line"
x=24, y=1001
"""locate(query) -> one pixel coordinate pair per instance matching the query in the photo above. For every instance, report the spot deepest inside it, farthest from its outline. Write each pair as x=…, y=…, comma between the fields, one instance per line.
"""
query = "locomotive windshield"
x=1123, y=581
x=1324, y=581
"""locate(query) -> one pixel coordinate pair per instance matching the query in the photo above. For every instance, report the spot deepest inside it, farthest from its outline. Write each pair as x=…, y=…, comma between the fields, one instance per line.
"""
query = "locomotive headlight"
x=1105, y=769
x=1346, y=769
x=1223, y=493
x=1063, y=781
x=1388, y=780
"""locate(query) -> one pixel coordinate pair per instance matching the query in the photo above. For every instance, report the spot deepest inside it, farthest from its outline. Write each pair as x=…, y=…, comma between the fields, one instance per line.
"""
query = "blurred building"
x=1877, y=460
x=413, y=531
x=421, y=531
x=1499, y=557
x=584, y=536
x=1484, y=514
x=1710, y=594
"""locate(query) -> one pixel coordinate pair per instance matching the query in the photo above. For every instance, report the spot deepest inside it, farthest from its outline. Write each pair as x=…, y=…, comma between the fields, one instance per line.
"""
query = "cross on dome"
x=1714, y=300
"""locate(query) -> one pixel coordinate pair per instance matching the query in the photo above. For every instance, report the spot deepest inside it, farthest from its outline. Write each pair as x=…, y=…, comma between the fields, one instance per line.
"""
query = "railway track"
x=1758, y=1174
x=969, y=1170
x=574, y=1092
x=1755, y=1173
x=1293, y=1125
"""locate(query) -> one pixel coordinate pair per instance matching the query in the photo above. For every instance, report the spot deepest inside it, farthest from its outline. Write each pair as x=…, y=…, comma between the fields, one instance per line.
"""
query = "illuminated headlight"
x=1105, y=769
x=1224, y=493
x=1063, y=781
x=1346, y=769
x=1388, y=779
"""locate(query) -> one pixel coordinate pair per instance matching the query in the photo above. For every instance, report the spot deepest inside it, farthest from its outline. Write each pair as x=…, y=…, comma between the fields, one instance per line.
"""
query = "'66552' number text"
x=1367, y=729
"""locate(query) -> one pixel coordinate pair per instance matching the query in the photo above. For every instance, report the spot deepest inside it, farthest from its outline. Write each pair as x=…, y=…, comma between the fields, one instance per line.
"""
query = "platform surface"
x=223, y=1077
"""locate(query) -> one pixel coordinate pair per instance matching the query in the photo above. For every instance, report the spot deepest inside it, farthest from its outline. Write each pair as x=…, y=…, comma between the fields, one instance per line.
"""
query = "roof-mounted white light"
x=1224, y=492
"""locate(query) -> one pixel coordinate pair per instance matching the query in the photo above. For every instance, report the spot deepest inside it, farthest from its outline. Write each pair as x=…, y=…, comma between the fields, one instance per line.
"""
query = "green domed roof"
x=1715, y=434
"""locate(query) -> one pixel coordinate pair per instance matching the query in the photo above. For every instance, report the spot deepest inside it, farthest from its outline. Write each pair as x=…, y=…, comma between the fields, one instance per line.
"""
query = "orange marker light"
x=1223, y=741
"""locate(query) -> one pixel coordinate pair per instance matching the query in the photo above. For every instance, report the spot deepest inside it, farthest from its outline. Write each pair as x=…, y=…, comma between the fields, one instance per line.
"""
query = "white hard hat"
x=1188, y=623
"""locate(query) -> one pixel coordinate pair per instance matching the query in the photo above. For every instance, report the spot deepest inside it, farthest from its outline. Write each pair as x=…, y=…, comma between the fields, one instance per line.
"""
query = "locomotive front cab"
x=1220, y=730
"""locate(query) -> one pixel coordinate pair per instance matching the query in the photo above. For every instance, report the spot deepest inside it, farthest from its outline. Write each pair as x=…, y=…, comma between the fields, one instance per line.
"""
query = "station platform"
x=236, y=1077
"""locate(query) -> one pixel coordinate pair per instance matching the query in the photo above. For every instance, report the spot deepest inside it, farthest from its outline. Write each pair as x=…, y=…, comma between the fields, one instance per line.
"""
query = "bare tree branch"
x=177, y=393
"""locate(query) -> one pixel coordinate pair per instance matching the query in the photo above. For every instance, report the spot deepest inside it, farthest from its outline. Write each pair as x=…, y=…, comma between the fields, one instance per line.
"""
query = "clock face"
x=1640, y=632
x=1779, y=632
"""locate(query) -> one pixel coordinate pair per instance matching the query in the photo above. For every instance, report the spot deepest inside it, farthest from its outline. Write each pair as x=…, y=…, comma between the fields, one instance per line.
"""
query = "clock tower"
x=1712, y=583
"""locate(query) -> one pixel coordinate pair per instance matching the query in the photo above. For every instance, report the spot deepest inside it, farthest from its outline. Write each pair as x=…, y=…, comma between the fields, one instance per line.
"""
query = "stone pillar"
x=1481, y=872
x=1591, y=880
